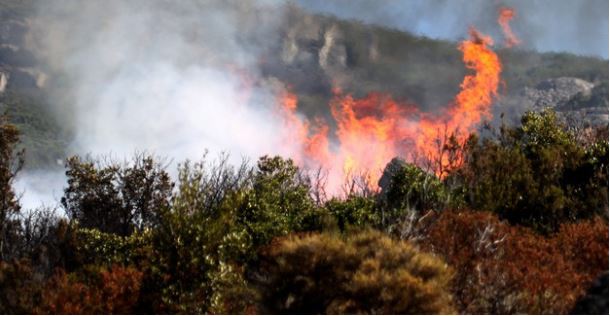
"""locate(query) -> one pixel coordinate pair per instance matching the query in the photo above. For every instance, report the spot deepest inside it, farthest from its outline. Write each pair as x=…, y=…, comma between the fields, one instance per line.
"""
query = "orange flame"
x=505, y=15
x=373, y=130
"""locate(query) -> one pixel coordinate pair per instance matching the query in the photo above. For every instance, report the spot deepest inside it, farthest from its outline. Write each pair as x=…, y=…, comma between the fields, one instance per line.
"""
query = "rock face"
x=555, y=92
x=17, y=63
x=574, y=99
x=596, y=300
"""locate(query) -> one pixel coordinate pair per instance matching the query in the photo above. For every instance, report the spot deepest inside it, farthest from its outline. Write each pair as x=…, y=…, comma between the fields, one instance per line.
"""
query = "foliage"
x=537, y=175
x=107, y=249
x=220, y=217
x=354, y=211
x=413, y=188
x=103, y=291
x=258, y=238
x=116, y=199
x=10, y=163
x=365, y=272
x=531, y=273
x=19, y=287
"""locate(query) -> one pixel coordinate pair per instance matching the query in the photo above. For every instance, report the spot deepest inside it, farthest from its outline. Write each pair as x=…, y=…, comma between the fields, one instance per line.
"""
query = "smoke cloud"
x=175, y=79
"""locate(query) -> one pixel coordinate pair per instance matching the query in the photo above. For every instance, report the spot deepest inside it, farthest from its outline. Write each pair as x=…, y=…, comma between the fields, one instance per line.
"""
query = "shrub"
x=219, y=218
x=19, y=287
x=11, y=162
x=365, y=272
x=279, y=202
x=104, y=291
x=531, y=273
x=357, y=211
x=116, y=199
x=537, y=175
x=411, y=188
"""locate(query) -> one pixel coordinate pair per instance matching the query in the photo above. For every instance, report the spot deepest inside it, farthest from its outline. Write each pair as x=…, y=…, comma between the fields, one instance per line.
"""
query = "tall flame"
x=505, y=15
x=372, y=130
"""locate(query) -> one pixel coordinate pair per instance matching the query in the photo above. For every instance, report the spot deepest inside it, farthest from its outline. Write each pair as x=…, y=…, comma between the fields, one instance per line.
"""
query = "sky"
x=575, y=26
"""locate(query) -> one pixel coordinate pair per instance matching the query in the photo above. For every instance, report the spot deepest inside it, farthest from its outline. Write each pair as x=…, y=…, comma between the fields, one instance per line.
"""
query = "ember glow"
x=505, y=15
x=371, y=131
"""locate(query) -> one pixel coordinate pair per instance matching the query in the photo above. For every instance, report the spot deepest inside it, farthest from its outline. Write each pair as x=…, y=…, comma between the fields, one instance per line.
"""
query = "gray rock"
x=555, y=92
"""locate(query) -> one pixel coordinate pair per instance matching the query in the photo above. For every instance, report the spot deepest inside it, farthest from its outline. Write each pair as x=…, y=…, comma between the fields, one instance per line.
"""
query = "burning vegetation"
x=512, y=220
x=373, y=130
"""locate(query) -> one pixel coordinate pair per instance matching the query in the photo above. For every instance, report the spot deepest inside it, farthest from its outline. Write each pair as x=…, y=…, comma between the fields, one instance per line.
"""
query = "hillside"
x=311, y=54
x=369, y=182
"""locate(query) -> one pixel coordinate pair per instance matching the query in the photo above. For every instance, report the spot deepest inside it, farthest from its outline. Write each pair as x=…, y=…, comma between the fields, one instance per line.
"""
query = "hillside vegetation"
x=519, y=227
x=517, y=224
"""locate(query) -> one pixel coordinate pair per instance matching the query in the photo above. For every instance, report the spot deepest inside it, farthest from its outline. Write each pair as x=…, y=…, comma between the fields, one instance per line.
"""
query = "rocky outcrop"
x=555, y=92
x=18, y=66
x=574, y=99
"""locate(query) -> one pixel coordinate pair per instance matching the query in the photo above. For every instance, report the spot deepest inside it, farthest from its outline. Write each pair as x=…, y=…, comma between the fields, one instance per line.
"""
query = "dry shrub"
x=18, y=287
x=109, y=291
x=365, y=272
x=503, y=269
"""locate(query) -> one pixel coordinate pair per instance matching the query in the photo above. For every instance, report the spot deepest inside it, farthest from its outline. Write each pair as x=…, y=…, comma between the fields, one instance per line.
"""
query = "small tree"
x=365, y=272
x=116, y=199
x=538, y=174
x=11, y=162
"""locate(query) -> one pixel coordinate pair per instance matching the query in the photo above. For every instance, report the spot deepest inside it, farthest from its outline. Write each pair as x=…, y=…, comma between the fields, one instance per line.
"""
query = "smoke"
x=579, y=27
x=173, y=78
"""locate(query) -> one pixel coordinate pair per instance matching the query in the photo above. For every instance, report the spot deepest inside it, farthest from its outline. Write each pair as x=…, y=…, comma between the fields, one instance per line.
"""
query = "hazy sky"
x=576, y=26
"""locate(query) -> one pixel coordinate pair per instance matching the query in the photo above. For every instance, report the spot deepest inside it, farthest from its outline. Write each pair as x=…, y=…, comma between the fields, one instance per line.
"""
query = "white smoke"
x=171, y=78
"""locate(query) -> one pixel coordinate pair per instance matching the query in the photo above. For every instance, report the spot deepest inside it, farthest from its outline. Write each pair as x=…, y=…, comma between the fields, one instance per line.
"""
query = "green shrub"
x=413, y=188
x=537, y=174
x=357, y=211
x=116, y=199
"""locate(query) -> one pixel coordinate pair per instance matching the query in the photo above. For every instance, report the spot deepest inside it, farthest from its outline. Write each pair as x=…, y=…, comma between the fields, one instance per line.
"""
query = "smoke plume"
x=174, y=79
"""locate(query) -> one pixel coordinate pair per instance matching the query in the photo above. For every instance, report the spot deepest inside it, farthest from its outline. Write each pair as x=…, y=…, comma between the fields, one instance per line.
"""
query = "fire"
x=368, y=132
x=505, y=15
x=372, y=130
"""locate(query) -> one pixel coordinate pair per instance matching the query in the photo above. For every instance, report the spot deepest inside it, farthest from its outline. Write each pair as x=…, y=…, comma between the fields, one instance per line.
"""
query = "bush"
x=11, y=162
x=279, y=202
x=356, y=211
x=19, y=287
x=103, y=291
x=219, y=219
x=365, y=272
x=411, y=187
x=116, y=199
x=537, y=175
x=530, y=273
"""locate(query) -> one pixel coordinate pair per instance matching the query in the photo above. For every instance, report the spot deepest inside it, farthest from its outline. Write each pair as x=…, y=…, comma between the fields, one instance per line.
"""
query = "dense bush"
x=364, y=272
x=114, y=198
x=258, y=238
x=19, y=287
x=98, y=291
x=220, y=217
x=537, y=174
x=354, y=211
x=531, y=273
x=413, y=188
x=10, y=163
